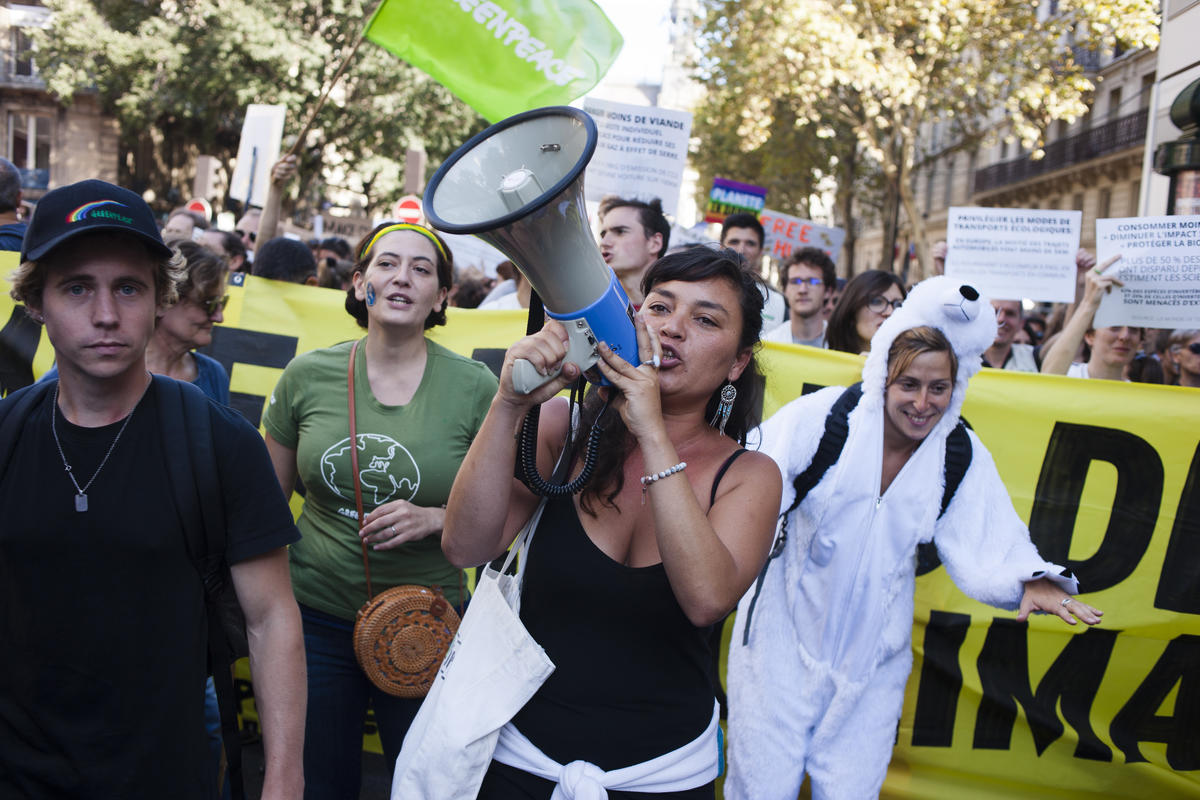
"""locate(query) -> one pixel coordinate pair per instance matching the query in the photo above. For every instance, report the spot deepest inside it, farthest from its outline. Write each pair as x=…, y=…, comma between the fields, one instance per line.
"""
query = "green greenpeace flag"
x=502, y=57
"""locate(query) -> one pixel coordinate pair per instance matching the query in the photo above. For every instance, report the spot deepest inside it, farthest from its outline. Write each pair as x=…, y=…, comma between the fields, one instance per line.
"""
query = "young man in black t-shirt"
x=102, y=610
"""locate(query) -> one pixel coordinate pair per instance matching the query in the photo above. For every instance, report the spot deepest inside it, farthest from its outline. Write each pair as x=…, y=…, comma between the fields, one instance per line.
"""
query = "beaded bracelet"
x=658, y=476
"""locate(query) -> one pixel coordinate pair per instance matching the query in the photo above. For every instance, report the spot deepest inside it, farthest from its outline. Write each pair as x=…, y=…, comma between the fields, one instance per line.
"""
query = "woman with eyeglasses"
x=868, y=299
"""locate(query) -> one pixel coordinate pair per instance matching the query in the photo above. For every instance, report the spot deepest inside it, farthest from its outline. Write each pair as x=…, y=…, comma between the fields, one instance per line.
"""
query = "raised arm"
x=487, y=505
x=1058, y=357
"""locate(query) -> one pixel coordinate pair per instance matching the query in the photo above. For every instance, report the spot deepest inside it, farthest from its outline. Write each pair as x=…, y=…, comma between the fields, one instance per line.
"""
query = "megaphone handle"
x=526, y=378
x=581, y=351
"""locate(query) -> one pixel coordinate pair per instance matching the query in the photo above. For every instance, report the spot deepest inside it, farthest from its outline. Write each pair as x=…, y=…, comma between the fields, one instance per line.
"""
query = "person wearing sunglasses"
x=808, y=277
x=1183, y=349
x=868, y=299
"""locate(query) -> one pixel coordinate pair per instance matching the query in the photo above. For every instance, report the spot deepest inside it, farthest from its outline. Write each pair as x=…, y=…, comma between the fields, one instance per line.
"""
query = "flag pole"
x=312, y=117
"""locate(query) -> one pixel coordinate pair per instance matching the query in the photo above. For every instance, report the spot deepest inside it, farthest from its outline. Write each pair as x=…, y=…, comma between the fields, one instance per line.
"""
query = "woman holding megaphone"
x=624, y=581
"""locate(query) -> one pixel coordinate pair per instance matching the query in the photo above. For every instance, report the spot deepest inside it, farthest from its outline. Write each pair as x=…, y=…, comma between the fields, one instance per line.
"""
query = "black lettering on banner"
x=1135, y=508
x=19, y=340
x=1179, y=584
x=1138, y=720
x=1071, y=682
x=941, y=680
x=238, y=346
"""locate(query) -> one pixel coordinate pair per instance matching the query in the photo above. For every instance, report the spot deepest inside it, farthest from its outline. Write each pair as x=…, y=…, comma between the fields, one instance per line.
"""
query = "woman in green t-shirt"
x=417, y=408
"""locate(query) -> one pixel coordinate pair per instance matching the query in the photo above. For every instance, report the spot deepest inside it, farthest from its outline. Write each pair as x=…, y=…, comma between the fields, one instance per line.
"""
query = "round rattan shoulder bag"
x=400, y=635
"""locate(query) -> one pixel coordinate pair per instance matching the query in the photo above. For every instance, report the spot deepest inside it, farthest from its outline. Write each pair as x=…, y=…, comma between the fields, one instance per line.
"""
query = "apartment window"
x=1114, y=103
x=1104, y=204
x=28, y=148
x=21, y=53
x=929, y=191
x=1147, y=91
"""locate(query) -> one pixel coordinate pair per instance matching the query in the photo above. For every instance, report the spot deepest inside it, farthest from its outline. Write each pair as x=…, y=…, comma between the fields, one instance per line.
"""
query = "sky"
x=644, y=24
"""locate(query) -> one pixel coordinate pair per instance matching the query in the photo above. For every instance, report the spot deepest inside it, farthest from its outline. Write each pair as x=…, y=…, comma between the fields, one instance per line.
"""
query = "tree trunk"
x=846, y=189
x=917, y=225
x=891, y=208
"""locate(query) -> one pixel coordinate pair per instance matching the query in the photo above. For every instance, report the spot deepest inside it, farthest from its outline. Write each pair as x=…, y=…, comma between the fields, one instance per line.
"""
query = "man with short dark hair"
x=633, y=235
x=284, y=259
x=744, y=234
x=807, y=277
x=1004, y=352
x=12, y=228
x=102, y=604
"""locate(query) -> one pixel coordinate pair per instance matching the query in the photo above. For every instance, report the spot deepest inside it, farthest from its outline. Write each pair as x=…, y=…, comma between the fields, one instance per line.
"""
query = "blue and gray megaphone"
x=519, y=186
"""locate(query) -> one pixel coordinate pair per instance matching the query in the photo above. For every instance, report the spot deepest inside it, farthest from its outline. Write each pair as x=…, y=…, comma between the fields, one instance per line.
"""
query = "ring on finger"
x=392, y=528
x=1097, y=270
x=1064, y=601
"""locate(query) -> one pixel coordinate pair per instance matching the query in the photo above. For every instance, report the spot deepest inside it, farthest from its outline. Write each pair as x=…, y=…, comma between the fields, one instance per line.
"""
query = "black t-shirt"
x=102, y=612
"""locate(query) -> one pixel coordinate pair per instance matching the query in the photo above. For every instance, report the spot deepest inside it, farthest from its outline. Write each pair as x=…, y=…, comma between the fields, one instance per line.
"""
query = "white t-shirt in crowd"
x=783, y=333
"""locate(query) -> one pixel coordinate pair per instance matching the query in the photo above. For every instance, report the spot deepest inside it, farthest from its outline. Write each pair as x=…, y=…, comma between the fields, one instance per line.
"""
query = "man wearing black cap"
x=102, y=608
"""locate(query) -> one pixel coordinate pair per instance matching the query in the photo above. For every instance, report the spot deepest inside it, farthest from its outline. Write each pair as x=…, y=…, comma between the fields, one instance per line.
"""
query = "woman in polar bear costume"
x=817, y=682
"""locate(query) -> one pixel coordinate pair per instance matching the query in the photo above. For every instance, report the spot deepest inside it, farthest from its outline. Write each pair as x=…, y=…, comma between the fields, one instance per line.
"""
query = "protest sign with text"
x=1014, y=253
x=502, y=57
x=641, y=152
x=262, y=134
x=731, y=197
x=1160, y=270
x=786, y=234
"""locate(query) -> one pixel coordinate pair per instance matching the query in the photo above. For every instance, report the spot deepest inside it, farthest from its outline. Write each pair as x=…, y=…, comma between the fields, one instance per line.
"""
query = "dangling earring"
x=728, y=395
x=370, y=295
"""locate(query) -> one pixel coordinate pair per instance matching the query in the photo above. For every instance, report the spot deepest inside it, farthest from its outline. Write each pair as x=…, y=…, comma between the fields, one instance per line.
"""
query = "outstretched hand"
x=1044, y=595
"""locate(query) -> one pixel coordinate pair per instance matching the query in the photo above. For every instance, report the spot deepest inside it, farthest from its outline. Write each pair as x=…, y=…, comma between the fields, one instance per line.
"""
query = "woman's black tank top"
x=632, y=674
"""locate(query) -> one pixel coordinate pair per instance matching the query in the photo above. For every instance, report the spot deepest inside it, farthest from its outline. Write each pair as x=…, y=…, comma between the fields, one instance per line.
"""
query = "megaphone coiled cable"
x=527, y=453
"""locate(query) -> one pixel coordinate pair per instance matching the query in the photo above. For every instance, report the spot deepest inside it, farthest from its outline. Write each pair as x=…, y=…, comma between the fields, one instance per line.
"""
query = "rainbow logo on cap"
x=94, y=210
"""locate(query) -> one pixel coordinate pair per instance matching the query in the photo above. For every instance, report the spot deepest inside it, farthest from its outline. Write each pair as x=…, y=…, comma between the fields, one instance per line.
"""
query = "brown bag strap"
x=358, y=504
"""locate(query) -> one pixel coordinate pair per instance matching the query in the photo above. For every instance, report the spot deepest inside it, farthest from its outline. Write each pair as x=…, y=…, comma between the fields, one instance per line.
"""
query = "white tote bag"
x=491, y=670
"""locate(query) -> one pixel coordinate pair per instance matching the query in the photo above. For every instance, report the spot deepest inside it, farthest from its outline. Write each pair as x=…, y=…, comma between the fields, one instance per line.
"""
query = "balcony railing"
x=1111, y=137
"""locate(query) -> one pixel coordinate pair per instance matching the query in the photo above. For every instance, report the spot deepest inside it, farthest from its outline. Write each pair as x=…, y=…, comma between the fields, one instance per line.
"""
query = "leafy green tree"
x=178, y=75
x=881, y=69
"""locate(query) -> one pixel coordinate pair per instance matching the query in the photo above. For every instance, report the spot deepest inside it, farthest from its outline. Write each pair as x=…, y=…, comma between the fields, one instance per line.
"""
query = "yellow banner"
x=1106, y=474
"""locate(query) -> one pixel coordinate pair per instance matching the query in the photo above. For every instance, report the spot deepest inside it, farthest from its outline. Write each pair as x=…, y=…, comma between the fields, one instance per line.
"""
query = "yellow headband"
x=404, y=226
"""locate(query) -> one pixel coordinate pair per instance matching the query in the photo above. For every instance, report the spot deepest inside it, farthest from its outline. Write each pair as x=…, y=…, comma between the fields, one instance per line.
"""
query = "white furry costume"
x=819, y=686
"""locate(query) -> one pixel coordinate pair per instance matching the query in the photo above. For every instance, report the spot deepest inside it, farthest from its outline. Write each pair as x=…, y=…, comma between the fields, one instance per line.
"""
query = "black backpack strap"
x=186, y=429
x=958, y=461
x=829, y=449
x=14, y=412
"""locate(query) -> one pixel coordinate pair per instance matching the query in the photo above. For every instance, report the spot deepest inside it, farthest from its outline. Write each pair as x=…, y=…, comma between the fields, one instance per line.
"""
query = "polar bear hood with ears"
x=959, y=312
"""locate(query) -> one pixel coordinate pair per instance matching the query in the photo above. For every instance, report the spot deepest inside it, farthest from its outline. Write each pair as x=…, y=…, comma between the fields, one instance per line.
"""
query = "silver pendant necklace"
x=81, y=499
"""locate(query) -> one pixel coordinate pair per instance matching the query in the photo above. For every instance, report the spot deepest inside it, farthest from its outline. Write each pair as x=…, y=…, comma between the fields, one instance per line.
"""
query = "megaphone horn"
x=519, y=186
